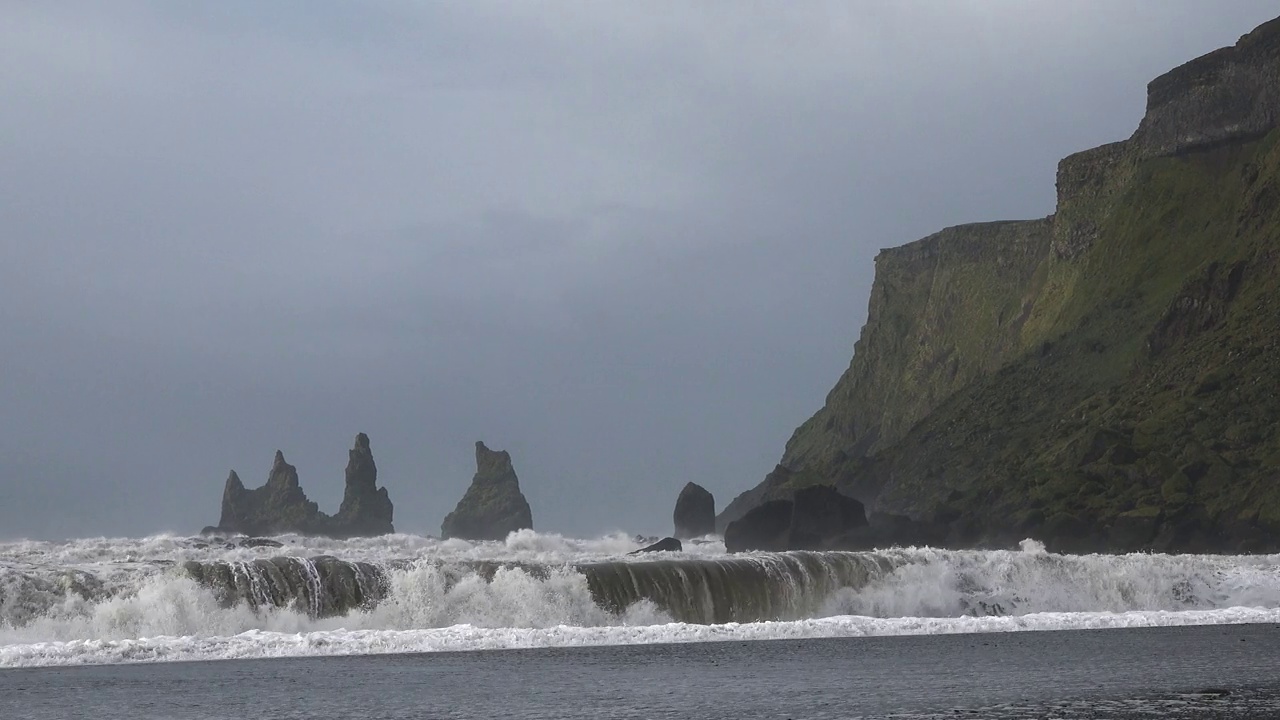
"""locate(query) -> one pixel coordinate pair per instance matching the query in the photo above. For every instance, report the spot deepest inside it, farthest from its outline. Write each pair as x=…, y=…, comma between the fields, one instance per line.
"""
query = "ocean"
x=543, y=626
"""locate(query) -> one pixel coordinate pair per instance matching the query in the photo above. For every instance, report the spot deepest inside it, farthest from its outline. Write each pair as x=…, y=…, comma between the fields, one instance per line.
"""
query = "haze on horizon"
x=630, y=244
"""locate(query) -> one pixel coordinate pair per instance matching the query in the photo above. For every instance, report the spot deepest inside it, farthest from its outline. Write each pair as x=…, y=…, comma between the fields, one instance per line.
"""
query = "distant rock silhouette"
x=695, y=513
x=280, y=506
x=493, y=505
x=366, y=508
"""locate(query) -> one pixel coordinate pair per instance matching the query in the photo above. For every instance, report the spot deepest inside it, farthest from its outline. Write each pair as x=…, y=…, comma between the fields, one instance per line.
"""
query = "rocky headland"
x=280, y=505
x=1102, y=379
x=493, y=505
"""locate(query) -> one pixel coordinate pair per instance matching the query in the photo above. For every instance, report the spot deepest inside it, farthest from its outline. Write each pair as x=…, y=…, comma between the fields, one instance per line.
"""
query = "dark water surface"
x=1142, y=673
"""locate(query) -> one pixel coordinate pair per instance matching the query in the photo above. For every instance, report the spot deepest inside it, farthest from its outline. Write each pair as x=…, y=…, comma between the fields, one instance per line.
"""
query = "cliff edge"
x=1099, y=378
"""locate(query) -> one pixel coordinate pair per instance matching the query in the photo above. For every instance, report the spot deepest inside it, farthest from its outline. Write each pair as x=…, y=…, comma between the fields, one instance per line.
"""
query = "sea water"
x=580, y=606
x=1187, y=672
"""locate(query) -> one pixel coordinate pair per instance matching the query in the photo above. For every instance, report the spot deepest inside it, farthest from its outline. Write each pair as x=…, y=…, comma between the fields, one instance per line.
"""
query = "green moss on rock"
x=1115, y=358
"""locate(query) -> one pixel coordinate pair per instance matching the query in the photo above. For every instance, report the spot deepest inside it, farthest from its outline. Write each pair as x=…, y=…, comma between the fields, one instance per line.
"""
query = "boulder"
x=695, y=513
x=668, y=544
x=366, y=508
x=817, y=517
x=1133, y=530
x=885, y=530
x=764, y=527
x=820, y=514
x=493, y=505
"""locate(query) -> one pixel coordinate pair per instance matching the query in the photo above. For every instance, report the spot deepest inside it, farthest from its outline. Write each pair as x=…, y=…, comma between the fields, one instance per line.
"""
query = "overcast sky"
x=631, y=243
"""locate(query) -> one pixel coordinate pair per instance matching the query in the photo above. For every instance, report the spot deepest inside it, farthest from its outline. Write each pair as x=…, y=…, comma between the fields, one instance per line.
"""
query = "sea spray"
x=79, y=602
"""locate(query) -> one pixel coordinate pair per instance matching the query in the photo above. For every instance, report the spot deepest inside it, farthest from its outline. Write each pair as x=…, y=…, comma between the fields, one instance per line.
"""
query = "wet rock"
x=493, y=505
x=885, y=530
x=668, y=544
x=695, y=513
x=279, y=506
x=366, y=508
x=255, y=542
x=320, y=587
x=820, y=514
x=1134, y=530
x=815, y=518
x=764, y=527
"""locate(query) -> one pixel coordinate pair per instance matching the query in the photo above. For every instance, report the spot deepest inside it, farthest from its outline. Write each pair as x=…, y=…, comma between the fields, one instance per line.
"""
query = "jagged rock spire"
x=493, y=505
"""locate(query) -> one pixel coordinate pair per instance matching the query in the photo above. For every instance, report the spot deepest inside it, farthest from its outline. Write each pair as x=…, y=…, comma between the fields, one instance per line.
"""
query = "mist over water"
x=128, y=600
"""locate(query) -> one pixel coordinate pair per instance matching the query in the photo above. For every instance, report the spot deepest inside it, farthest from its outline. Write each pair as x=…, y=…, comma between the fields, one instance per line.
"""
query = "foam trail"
x=78, y=602
x=274, y=644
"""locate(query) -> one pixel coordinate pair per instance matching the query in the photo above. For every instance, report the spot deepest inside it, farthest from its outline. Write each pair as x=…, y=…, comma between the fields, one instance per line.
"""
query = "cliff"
x=281, y=506
x=1098, y=378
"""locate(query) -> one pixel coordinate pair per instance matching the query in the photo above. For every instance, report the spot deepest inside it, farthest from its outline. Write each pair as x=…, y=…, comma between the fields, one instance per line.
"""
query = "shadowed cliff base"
x=1102, y=379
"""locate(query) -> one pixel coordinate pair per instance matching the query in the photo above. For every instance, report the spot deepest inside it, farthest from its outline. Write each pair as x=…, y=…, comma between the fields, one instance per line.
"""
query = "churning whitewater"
x=169, y=598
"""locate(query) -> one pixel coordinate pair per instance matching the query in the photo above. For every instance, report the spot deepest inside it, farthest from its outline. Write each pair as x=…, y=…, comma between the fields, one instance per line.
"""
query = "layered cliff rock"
x=493, y=505
x=1103, y=378
x=943, y=311
x=281, y=506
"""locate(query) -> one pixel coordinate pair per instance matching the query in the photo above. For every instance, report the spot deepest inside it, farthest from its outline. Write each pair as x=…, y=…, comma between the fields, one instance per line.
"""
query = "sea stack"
x=366, y=508
x=695, y=513
x=493, y=505
x=279, y=506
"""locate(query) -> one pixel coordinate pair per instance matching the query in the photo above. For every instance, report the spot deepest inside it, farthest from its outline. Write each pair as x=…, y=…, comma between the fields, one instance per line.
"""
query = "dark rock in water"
x=695, y=513
x=668, y=544
x=366, y=508
x=817, y=517
x=254, y=542
x=819, y=514
x=280, y=505
x=1134, y=530
x=493, y=505
x=764, y=527
x=885, y=530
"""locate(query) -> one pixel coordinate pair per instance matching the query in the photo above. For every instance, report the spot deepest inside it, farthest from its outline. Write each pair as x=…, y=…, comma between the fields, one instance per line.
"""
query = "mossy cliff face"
x=1103, y=378
x=944, y=310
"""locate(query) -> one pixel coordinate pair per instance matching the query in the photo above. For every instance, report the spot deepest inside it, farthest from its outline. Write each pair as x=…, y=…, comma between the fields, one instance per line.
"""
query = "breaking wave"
x=172, y=598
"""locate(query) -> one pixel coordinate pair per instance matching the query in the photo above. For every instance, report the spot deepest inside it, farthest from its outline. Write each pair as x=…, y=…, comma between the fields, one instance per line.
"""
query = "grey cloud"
x=630, y=243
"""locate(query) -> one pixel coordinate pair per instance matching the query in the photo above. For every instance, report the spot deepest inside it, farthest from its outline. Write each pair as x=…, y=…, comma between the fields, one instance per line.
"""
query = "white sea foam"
x=521, y=546
x=101, y=600
x=274, y=644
